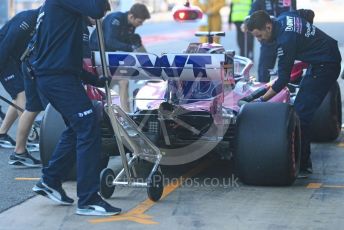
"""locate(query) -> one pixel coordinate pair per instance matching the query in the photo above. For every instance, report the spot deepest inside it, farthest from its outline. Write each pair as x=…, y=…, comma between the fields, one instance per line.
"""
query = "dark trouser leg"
x=267, y=61
x=62, y=160
x=313, y=89
x=240, y=38
x=68, y=96
x=305, y=148
x=241, y=41
x=250, y=42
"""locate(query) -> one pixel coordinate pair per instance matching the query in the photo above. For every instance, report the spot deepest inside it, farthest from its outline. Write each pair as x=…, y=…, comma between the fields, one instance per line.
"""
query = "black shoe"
x=6, y=141
x=305, y=173
x=98, y=208
x=306, y=166
x=24, y=159
x=306, y=169
x=56, y=194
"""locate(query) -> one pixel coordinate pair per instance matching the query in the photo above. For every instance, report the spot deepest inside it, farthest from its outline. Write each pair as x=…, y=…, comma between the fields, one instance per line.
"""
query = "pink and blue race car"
x=202, y=101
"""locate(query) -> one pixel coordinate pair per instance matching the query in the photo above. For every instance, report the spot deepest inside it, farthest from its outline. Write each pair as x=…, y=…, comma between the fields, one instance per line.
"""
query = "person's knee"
x=21, y=99
x=31, y=115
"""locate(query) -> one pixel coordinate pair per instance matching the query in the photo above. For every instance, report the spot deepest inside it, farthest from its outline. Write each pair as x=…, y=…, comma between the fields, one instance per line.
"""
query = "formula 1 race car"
x=195, y=101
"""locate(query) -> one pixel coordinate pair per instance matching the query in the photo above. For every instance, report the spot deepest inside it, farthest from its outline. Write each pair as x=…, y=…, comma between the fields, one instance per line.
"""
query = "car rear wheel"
x=267, y=144
x=327, y=121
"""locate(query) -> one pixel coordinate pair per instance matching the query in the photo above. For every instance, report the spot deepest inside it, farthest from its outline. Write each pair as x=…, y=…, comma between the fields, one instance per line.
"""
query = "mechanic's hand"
x=135, y=39
x=102, y=80
x=135, y=47
x=259, y=100
x=242, y=102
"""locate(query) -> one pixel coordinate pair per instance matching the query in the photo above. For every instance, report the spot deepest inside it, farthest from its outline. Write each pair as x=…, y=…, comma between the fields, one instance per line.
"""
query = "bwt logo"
x=85, y=113
x=9, y=78
x=171, y=65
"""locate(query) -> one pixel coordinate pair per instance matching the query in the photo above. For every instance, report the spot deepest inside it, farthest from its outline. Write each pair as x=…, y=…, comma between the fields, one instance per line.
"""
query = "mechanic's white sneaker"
x=305, y=173
x=98, y=208
x=56, y=194
x=24, y=159
x=6, y=141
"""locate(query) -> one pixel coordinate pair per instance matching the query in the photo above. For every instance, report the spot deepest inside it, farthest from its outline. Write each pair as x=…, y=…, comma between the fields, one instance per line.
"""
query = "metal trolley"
x=128, y=133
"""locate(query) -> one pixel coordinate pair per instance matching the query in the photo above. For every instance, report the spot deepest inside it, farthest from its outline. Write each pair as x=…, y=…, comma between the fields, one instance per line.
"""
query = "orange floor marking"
x=314, y=185
x=341, y=144
x=137, y=214
x=26, y=178
x=320, y=185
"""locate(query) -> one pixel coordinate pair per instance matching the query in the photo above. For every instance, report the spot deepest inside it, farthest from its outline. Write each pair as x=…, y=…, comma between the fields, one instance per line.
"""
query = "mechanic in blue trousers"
x=267, y=57
x=55, y=64
x=298, y=39
x=119, y=35
x=14, y=37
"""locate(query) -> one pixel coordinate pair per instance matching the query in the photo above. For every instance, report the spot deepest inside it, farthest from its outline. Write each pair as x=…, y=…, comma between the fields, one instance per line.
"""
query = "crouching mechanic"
x=119, y=35
x=298, y=39
x=56, y=64
x=14, y=37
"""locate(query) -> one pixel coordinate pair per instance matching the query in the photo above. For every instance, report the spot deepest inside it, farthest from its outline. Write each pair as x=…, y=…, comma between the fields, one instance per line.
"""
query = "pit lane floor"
x=209, y=197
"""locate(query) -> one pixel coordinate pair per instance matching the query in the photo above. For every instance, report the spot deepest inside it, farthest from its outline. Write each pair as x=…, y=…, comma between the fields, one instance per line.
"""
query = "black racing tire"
x=107, y=176
x=51, y=129
x=327, y=120
x=155, y=185
x=267, y=144
x=52, y=126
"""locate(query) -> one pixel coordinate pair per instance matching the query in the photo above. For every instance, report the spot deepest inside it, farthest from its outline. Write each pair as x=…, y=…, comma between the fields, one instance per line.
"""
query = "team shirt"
x=300, y=40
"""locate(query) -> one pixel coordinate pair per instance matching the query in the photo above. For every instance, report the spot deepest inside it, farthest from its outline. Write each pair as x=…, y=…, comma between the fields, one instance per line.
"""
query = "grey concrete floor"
x=211, y=198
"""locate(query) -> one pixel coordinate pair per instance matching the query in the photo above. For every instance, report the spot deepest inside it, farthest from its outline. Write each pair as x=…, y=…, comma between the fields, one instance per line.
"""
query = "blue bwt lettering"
x=131, y=65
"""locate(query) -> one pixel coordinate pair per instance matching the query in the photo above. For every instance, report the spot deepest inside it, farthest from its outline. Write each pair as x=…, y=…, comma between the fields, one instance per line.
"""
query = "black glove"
x=135, y=40
x=101, y=81
x=134, y=47
x=254, y=96
x=91, y=79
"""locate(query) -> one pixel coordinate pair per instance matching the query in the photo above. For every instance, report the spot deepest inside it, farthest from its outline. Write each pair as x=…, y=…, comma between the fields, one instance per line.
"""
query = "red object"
x=187, y=13
x=297, y=71
x=92, y=92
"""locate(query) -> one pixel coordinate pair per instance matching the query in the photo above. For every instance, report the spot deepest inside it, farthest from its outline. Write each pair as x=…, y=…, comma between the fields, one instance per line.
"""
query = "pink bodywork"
x=155, y=93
